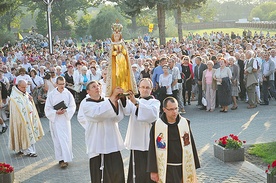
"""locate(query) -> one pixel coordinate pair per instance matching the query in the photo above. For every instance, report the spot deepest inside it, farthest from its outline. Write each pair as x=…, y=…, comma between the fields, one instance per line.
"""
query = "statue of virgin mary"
x=119, y=72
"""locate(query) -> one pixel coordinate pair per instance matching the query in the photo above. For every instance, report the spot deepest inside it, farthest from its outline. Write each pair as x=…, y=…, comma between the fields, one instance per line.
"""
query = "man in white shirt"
x=99, y=117
x=26, y=64
x=143, y=112
x=60, y=124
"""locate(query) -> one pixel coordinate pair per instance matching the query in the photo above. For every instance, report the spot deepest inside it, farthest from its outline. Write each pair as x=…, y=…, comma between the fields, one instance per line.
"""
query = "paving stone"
x=255, y=126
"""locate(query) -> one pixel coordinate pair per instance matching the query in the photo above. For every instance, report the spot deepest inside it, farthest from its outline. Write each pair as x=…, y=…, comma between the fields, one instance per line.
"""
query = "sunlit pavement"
x=253, y=125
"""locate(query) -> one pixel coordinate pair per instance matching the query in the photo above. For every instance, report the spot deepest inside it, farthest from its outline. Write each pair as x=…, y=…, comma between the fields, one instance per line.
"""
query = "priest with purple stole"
x=172, y=153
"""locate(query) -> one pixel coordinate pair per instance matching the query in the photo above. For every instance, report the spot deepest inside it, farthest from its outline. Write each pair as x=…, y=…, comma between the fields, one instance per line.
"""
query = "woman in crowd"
x=41, y=99
x=69, y=79
x=94, y=74
x=165, y=84
x=209, y=86
x=37, y=81
x=50, y=80
x=24, y=76
x=146, y=72
x=59, y=71
x=4, y=80
x=223, y=76
x=234, y=81
x=83, y=80
x=187, y=69
x=77, y=71
x=41, y=72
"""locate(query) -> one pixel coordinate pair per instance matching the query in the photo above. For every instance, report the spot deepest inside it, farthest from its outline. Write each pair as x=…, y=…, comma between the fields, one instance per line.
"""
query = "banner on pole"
x=151, y=27
x=20, y=37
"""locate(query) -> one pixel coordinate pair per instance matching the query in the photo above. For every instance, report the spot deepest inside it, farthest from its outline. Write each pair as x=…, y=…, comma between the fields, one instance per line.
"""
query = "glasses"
x=61, y=84
x=172, y=109
x=186, y=59
x=145, y=87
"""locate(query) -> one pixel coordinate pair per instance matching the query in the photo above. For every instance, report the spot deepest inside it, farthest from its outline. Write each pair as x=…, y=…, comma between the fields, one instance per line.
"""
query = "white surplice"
x=137, y=136
x=100, y=121
x=60, y=125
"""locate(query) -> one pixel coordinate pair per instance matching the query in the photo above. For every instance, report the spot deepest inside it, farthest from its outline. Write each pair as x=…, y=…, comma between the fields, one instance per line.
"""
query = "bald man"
x=25, y=126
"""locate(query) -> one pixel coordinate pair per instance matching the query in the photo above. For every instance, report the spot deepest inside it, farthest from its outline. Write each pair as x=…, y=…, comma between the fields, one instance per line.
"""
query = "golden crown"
x=117, y=28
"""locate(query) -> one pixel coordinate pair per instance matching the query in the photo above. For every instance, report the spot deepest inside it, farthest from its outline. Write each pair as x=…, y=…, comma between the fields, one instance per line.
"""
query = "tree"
x=5, y=5
x=12, y=16
x=41, y=22
x=131, y=8
x=100, y=27
x=208, y=11
x=163, y=5
x=161, y=15
x=263, y=11
x=233, y=10
x=63, y=11
x=187, y=5
x=82, y=25
x=272, y=15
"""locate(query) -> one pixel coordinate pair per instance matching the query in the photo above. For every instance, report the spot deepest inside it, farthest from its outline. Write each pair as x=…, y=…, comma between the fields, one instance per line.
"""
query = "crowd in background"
x=219, y=67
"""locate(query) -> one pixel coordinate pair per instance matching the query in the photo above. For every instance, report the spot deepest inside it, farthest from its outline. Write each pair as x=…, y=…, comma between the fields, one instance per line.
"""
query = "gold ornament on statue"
x=117, y=28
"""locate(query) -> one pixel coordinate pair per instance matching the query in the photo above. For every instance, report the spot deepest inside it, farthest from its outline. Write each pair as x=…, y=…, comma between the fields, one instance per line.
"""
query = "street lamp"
x=49, y=10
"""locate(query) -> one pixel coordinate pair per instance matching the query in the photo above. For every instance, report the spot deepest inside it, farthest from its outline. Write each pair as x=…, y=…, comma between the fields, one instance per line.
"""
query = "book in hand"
x=60, y=105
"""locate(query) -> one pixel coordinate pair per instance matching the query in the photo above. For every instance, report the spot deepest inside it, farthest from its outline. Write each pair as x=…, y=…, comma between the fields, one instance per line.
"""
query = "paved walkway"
x=255, y=126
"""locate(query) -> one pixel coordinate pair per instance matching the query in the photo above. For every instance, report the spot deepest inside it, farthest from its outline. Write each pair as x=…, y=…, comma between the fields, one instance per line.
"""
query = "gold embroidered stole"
x=23, y=111
x=161, y=144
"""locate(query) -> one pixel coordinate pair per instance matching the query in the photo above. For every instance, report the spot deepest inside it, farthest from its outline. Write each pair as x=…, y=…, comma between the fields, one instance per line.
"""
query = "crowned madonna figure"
x=119, y=72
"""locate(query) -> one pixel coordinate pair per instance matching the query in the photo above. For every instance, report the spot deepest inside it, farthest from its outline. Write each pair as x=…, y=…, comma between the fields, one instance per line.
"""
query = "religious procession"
x=123, y=110
x=151, y=84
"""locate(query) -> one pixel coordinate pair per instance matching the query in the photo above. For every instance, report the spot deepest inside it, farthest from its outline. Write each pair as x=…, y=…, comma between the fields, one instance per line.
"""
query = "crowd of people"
x=215, y=69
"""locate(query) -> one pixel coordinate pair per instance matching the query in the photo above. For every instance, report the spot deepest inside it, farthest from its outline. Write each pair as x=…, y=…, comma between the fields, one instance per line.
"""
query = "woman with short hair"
x=223, y=76
x=234, y=81
x=83, y=80
x=209, y=86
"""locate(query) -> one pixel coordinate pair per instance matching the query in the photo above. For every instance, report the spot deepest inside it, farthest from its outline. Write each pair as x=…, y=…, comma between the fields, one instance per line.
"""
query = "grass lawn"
x=229, y=30
x=265, y=151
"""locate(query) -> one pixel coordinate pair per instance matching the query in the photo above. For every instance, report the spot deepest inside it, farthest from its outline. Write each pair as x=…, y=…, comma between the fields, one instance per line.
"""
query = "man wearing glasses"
x=143, y=112
x=60, y=107
x=177, y=157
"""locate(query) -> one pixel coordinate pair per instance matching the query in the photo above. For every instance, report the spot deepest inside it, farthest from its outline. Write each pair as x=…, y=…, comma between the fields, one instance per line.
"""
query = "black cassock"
x=174, y=173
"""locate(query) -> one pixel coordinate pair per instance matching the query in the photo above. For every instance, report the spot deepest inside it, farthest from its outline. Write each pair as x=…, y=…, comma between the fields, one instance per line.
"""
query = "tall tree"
x=179, y=5
x=264, y=11
x=5, y=5
x=100, y=27
x=63, y=11
x=130, y=8
x=161, y=6
x=12, y=16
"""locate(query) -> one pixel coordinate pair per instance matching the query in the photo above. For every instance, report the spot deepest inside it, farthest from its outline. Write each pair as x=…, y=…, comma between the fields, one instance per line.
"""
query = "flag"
x=20, y=37
x=150, y=27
